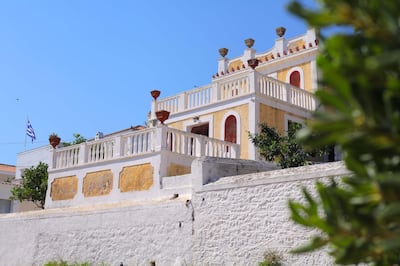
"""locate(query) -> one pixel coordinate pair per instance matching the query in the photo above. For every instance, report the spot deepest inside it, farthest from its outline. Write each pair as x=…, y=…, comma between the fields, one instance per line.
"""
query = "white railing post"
x=160, y=138
x=215, y=92
x=82, y=158
x=288, y=93
x=253, y=81
x=182, y=102
x=118, y=147
x=53, y=158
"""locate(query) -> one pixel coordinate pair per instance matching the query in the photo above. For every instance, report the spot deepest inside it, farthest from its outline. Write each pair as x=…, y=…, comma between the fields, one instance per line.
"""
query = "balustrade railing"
x=286, y=92
x=139, y=142
x=197, y=145
x=67, y=157
x=235, y=86
x=143, y=142
x=100, y=150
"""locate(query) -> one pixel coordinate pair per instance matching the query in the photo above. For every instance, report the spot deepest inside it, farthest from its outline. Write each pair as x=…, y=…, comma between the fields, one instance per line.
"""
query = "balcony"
x=142, y=142
x=239, y=84
x=135, y=165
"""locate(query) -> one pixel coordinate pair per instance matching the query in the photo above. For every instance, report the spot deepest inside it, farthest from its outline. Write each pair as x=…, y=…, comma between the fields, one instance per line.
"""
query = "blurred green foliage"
x=358, y=217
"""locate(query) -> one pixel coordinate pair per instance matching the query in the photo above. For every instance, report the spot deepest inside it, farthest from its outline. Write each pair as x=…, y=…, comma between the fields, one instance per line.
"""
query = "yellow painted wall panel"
x=97, y=183
x=136, y=177
x=64, y=188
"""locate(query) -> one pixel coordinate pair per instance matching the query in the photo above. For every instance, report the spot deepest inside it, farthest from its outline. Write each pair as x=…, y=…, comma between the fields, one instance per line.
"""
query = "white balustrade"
x=143, y=142
x=199, y=97
x=197, y=145
x=100, y=150
x=138, y=142
x=67, y=156
x=287, y=93
x=233, y=88
x=170, y=104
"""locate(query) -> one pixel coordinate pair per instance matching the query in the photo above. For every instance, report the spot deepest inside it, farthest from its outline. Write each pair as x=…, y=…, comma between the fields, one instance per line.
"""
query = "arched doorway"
x=295, y=79
x=231, y=129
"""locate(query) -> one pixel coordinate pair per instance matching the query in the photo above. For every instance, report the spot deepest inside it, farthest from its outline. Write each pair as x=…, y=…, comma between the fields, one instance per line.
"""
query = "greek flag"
x=29, y=131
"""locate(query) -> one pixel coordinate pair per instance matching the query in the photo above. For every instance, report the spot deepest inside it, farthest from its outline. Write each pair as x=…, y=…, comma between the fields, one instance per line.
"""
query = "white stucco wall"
x=29, y=158
x=231, y=221
x=239, y=218
x=132, y=234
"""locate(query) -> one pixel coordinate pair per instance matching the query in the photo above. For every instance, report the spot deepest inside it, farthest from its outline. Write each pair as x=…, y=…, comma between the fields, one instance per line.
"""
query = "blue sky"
x=75, y=66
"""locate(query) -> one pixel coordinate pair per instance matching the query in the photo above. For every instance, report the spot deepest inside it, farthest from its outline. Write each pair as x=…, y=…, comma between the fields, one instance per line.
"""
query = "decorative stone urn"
x=162, y=115
x=223, y=51
x=54, y=140
x=155, y=94
x=249, y=42
x=253, y=63
x=280, y=31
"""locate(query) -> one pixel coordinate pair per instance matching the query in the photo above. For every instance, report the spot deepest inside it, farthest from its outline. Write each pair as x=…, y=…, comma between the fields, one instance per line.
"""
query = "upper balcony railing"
x=143, y=142
x=236, y=85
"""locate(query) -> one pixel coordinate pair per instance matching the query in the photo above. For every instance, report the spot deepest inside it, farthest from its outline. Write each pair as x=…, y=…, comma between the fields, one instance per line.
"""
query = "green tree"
x=33, y=185
x=284, y=150
x=78, y=138
x=359, y=218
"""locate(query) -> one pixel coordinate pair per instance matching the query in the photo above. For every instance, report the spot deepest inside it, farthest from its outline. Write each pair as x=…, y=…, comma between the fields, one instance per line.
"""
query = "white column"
x=222, y=65
x=249, y=53
x=118, y=147
x=254, y=120
x=280, y=46
x=82, y=153
x=253, y=81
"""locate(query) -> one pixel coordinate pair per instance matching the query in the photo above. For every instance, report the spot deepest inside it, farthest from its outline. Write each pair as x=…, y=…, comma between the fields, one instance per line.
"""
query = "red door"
x=295, y=78
x=230, y=129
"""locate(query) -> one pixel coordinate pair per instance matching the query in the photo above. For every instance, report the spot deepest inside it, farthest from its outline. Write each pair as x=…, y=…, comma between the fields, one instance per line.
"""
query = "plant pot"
x=155, y=94
x=280, y=31
x=253, y=63
x=162, y=115
x=249, y=42
x=223, y=51
x=54, y=141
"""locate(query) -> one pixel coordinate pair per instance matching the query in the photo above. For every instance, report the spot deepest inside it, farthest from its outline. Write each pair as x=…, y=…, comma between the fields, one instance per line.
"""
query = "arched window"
x=295, y=79
x=231, y=129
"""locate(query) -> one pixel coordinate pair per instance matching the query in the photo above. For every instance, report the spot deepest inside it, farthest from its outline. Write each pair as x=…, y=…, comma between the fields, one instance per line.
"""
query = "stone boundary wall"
x=229, y=221
x=239, y=218
x=133, y=234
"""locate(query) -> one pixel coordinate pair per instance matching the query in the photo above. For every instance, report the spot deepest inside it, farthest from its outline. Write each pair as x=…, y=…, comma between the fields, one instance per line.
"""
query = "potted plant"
x=253, y=63
x=54, y=140
x=155, y=94
x=162, y=115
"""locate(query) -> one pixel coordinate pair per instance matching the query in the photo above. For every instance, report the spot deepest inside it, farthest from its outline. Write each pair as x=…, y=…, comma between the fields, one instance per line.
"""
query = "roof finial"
x=280, y=31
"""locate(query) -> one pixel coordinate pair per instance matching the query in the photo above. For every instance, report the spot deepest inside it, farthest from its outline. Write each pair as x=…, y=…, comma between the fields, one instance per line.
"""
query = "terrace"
x=245, y=82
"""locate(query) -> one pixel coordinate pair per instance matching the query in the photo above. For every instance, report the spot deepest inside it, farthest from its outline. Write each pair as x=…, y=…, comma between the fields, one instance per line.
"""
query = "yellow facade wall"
x=306, y=67
x=243, y=111
x=274, y=117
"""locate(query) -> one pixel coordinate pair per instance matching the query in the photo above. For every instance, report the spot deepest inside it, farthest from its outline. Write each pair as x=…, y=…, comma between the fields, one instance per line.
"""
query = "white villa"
x=188, y=188
x=275, y=86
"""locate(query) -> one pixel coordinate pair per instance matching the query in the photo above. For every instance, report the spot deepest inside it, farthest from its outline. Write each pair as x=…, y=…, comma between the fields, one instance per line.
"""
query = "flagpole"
x=26, y=123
